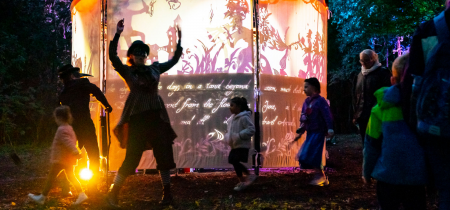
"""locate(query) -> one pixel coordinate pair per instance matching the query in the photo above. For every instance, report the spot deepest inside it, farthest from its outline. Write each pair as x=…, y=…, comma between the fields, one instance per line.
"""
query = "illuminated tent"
x=220, y=58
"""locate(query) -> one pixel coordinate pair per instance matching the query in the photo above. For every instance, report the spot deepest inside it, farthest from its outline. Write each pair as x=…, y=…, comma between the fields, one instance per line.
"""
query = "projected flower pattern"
x=152, y=8
x=210, y=146
x=202, y=58
x=174, y=4
x=313, y=57
x=240, y=59
x=317, y=5
x=280, y=148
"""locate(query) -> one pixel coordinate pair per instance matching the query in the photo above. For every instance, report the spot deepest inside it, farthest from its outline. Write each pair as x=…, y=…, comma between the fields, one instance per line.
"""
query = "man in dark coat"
x=372, y=77
x=437, y=149
x=76, y=94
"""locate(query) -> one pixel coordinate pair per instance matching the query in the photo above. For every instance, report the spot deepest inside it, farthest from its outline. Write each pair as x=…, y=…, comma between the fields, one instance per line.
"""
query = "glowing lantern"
x=86, y=174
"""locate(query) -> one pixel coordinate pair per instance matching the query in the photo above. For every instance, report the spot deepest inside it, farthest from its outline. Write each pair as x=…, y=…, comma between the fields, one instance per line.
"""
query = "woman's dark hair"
x=314, y=82
x=241, y=102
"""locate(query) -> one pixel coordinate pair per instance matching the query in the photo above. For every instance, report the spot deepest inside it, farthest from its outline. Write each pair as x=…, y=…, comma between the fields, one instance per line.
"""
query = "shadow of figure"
x=225, y=37
x=127, y=15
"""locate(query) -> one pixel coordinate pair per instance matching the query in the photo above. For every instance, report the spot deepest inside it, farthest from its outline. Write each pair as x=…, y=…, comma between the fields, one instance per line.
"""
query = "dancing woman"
x=144, y=123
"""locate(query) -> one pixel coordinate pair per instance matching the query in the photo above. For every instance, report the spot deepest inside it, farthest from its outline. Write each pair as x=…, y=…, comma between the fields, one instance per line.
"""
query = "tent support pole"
x=256, y=157
x=106, y=135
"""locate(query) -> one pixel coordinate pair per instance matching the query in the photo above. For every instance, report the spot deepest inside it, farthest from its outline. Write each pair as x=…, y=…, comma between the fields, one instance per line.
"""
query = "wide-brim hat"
x=138, y=44
x=67, y=69
x=85, y=75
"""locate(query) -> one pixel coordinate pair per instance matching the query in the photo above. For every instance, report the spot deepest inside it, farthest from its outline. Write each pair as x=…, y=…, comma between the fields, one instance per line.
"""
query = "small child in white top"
x=64, y=156
x=238, y=136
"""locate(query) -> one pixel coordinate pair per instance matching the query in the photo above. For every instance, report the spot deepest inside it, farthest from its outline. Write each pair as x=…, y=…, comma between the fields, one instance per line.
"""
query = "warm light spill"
x=86, y=174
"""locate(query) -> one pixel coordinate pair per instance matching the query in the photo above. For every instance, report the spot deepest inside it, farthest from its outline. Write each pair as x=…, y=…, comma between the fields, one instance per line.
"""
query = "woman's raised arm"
x=115, y=60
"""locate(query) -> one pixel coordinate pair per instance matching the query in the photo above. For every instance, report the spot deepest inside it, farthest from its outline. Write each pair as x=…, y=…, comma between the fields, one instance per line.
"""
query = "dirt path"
x=272, y=190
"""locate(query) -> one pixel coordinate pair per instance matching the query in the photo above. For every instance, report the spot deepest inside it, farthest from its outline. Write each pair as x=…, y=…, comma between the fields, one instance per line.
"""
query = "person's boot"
x=65, y=191
x=111, y=197
x=65, y=188
x=167, y=198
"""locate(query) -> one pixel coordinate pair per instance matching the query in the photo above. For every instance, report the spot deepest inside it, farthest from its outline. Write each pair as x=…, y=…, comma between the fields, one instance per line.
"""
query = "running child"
x=239, y=133
x=317, y=121
x=64, y=156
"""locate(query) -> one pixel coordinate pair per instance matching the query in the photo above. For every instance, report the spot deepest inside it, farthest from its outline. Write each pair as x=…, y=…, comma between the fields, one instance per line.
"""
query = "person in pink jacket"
x=64, y=156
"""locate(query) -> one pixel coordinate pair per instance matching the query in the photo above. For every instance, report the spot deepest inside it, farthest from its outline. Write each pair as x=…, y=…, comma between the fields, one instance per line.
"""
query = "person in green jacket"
x=392, y=154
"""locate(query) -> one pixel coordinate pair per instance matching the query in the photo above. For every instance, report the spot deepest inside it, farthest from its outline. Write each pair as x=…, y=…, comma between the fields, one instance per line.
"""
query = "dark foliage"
x=35, y=40
x=362, y=24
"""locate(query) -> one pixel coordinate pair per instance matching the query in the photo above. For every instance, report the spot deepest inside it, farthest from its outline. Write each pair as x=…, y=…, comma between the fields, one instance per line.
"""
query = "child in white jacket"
x=239, y=134
x=64, y=156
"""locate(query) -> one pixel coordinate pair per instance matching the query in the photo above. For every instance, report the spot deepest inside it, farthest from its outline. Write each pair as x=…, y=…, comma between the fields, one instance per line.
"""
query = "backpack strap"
x=441, y=27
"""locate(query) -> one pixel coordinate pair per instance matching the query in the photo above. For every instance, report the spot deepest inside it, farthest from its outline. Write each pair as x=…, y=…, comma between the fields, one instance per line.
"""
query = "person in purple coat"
x=317, y=121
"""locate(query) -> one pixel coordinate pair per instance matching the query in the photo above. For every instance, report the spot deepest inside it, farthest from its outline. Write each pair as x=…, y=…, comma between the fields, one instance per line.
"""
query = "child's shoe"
x=81, y=198
x=250, y=179
x=240, y=186
x=320, y=181
x=40, y=199
x=326, y=182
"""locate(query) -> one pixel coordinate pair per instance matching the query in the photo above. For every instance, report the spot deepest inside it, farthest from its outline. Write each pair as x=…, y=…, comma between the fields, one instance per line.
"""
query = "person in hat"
x=144, y=115
x=76, y=94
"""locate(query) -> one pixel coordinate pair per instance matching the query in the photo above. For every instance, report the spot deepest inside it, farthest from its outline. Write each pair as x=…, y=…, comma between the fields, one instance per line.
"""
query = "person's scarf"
x=365, y=71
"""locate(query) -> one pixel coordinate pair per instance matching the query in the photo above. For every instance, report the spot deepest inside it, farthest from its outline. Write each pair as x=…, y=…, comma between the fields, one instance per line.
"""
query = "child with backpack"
x=317, y=121
x=64, y=156
x=392, y=154
x=240, y=129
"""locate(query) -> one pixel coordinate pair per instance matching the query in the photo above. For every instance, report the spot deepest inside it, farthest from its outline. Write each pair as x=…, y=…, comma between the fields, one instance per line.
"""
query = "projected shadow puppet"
x=152, y=8
x=174, y=4
x=128, y=14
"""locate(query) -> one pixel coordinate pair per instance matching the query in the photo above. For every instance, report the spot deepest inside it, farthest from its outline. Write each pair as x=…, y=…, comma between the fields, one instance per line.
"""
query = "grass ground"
x=272, y=190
